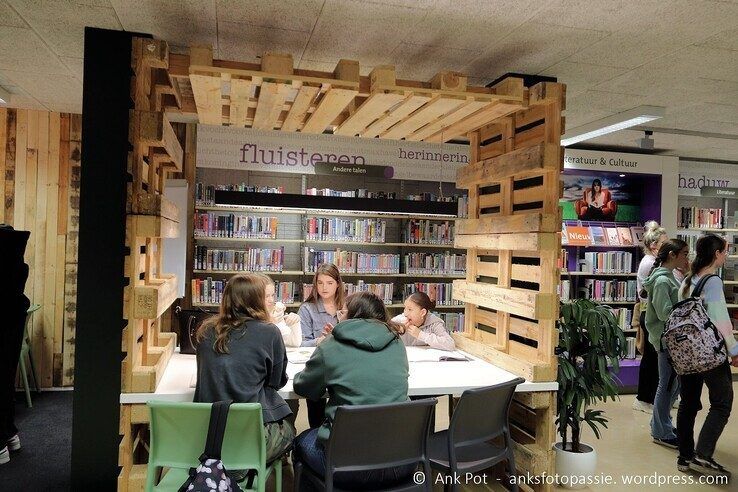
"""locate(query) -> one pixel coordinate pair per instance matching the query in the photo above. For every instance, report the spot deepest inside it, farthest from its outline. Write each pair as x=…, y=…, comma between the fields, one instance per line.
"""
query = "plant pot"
x=571, y=467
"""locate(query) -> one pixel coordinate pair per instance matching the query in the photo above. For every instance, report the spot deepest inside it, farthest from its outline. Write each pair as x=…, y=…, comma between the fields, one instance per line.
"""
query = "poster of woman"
x=609, y=197
x=596, y=203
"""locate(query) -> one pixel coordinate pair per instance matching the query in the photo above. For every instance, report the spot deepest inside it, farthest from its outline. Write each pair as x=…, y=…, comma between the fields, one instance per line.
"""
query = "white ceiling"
x=613, y=54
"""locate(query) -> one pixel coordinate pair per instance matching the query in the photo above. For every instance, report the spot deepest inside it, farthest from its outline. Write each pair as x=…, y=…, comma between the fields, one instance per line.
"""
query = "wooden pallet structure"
x=156, y=152
x=513, y=242
x=275, y=96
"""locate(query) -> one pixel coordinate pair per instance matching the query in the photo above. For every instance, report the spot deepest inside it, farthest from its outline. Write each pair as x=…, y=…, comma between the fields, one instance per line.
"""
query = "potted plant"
x=589, y=341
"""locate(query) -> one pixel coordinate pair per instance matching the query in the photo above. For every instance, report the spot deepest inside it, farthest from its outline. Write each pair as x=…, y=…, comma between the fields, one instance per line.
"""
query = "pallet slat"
x=435, y=108
x=375, y=106
x=531, y=241
x=296, y=115
x=333, y=103
x=520, y=302
x=520, y=162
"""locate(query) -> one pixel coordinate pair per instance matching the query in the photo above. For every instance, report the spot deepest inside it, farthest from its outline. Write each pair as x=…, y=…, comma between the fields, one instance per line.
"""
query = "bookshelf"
x=292, y=241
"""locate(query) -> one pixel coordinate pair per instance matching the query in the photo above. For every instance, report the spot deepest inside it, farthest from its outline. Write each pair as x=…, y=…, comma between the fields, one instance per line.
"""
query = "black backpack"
x=211, y=474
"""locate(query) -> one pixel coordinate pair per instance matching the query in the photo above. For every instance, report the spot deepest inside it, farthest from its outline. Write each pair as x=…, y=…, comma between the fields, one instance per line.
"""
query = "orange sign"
x=578, y=236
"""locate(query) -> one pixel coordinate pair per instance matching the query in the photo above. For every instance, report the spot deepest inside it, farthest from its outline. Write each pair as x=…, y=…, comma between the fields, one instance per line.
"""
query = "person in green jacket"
x=662, y=289
x=362, y=362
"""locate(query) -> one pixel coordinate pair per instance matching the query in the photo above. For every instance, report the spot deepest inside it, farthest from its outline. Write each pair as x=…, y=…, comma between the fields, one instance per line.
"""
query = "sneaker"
x=642, y=406
x=683, y=464
x=14, y=443
x=672, y=443
x=4, y=455
x=708, y=466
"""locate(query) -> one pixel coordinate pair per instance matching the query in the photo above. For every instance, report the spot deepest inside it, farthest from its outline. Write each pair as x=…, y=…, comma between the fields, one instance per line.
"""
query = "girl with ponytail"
x=711, y=252
x=662, y=292
x=648, y=375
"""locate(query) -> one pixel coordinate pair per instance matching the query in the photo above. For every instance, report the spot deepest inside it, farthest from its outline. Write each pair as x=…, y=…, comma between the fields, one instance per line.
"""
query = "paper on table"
x=299, y=356
x=433, y=355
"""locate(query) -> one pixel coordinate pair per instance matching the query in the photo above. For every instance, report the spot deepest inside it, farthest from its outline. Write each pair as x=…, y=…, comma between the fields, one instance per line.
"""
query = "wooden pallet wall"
x=513, y=242
x=40, y=167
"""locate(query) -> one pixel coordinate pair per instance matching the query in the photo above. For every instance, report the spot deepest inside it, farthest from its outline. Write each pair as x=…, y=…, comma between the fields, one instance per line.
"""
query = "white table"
x=426, y=377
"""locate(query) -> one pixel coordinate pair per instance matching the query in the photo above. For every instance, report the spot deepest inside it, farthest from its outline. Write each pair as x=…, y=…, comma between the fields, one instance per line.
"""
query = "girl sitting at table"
x=241, y=357
x=421, y=326
x=288, y=323
x=369, y=345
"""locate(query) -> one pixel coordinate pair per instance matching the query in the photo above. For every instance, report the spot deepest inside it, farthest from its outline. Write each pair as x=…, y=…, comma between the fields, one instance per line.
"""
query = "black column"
x=102, y=215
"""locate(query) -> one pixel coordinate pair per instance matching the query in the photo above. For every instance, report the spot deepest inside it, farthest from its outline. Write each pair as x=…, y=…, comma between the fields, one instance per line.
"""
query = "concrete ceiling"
x=613, y=54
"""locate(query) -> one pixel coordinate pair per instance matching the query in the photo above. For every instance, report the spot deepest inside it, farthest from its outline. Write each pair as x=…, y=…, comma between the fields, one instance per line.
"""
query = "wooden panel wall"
x=39, y=165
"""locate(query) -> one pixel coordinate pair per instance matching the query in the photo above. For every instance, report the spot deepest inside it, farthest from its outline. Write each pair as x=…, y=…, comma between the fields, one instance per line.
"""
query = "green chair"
x=177, y=439
x=26, y=353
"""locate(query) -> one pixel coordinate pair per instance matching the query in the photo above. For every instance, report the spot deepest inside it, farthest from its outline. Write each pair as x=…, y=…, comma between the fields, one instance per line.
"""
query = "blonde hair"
x=332, y=271
x=244, y=299
x=651, y=235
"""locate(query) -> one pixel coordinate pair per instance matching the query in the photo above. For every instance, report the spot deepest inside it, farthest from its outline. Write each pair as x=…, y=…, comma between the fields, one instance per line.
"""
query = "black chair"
x=375, y=437
x=480, y=416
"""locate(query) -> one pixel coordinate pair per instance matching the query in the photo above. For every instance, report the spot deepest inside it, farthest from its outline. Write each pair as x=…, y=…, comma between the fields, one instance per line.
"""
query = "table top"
x=428, y=376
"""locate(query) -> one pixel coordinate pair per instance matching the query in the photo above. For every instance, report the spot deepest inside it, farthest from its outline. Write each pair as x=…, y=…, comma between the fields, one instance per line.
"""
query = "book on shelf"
x=353, y=230
x=287, y=292
x=598, y=236
x=463, y=210
x=637, y=232
x=564, y=235
x=626, y=239
x=429, y=232
x=439, y=292
x=207, y=290
x=205, y=194
x=623, y=317
x=578, y=235
x=565, y=290
x=384, y=291
x=352, y=261
x=607, y=262
x=613, y=239
x=435, y=263
x=609, y=290
x=700, y=218
x=454, y=321
x=563, y=260
x=251, y=259
x=235, y=226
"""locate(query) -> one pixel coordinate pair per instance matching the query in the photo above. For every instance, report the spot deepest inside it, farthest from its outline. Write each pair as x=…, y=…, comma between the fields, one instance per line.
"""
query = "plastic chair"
x=177, y=439
x=374, y=437
x=480, y=416
x=26, y=352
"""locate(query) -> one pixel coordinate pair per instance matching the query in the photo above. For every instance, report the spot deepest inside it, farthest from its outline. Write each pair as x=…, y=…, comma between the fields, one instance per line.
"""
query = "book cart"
x=511, y=236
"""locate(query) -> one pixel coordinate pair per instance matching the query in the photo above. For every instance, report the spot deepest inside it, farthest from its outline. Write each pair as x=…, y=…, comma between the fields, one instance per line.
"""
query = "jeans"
x=719, y=384
x=310, y=452
x=666, y=394
x=648, y=372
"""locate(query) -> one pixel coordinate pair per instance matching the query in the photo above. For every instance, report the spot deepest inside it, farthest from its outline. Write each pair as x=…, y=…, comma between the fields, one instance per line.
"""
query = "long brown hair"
x=332, y=271
x=705, y=250
x=243, y=299
x=366, y=305
x=423, y=301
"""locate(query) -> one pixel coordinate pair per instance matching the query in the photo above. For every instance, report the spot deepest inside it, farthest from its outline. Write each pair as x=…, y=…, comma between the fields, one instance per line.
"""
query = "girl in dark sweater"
x=241, y=357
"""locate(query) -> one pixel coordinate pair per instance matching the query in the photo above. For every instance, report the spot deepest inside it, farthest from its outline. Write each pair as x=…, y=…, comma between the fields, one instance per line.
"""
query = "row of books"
x=352, y=261
x=563, y=262
x=384, y=291
x=429, y=232
x=251, y=259
x=606, y=262
x=623, y=316
x=205, y=194
x=701, y=218
x=336, y=229
x=232, y=225
x=357, y=193
x=574, y=235
x=207, y=290
x=454, y=321
x=609, y=290
x=437, y=291
x=435, y=263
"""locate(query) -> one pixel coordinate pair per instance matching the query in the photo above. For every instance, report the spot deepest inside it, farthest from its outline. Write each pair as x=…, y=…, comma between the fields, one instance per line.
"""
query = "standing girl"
x=241, y=357
x=662, y=289
x=421, y=326
x=711, y=253
x=648, y=372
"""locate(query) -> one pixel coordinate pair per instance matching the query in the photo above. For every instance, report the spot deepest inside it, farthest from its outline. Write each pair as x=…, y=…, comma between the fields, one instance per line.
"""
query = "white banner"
x=288, y=152
x=694, y=175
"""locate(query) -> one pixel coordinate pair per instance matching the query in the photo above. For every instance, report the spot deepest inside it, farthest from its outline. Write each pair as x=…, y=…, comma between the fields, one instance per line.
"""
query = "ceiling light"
x=622, y=175
x=4, y=96
x=620, y=121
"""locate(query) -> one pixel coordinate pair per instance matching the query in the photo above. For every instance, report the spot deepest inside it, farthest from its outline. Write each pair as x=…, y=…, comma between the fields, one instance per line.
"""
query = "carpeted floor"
x=43, y=463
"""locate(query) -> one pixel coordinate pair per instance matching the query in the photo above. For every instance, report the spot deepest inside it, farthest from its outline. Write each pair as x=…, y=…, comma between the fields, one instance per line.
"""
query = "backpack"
x=693, y=341
x=211, y=475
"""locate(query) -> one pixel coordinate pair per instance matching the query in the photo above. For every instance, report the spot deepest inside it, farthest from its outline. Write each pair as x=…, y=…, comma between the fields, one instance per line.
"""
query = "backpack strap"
x=701, y=284
x=216, y=429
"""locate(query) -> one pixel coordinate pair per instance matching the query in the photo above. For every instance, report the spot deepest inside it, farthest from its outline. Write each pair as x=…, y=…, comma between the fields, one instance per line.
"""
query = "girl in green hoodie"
x=362, y=362
x=662, y=290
